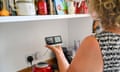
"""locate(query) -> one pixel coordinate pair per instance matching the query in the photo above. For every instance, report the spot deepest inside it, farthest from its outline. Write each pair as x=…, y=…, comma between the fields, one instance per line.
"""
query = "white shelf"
x=5, y=19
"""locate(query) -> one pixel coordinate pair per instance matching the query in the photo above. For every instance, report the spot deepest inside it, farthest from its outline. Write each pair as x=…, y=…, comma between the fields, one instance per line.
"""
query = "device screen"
x=58, y=39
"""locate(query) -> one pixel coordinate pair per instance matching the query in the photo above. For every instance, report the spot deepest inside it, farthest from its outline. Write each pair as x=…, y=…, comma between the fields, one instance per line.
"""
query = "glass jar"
x=25, y=7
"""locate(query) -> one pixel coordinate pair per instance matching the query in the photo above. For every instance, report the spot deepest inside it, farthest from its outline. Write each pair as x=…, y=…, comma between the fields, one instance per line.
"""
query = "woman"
x=100, y=52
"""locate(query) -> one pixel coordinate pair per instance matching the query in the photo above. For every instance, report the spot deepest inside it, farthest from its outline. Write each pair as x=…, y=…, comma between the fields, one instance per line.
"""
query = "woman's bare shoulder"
x=88, y=57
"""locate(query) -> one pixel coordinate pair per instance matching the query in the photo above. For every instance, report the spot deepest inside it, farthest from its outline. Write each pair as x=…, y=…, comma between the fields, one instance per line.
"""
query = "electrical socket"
x=27, y=57
x=36, y=56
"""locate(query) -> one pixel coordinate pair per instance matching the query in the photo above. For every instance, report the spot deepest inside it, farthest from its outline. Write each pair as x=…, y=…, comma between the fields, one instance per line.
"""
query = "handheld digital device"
x=53, y=40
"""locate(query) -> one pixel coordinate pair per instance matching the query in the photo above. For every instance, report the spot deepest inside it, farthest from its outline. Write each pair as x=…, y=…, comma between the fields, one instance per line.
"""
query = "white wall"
x=17, y=40
x=78, y=29
x=24, y=38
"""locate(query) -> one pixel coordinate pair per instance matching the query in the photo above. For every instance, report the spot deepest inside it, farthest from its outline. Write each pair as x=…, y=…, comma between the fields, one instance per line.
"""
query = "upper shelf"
x=40, y=17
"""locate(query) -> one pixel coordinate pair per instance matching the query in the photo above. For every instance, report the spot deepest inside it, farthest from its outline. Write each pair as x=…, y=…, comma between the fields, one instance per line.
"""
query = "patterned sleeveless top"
x=110, y=48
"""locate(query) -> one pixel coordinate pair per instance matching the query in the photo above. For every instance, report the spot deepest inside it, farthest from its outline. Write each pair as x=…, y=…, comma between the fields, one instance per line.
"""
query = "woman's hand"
x=56, y=49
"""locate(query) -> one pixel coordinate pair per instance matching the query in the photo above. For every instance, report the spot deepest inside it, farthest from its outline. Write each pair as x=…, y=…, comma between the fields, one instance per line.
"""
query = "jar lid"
x=42, y=65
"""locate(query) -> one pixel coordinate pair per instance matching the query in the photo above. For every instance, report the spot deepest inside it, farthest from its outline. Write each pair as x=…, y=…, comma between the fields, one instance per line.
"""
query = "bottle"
x=50, y=7
x=71, y=7
x=85, y=8
x=65, y=7
x=1, y=5
x=81, y=7
x=4, y=11
x=42, y=7
x=12, y=7
x=78, y=6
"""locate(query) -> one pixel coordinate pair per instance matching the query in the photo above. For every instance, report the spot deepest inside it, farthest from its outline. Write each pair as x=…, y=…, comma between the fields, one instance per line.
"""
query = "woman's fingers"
x=55, y=49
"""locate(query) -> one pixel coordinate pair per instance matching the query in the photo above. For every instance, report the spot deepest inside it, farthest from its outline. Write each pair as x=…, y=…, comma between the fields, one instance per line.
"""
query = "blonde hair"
x=108, y=11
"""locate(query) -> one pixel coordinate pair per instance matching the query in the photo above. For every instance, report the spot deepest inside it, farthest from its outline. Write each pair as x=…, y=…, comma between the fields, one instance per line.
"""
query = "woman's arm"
x=62, y=62
x=87, y=59
x=61, y=59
